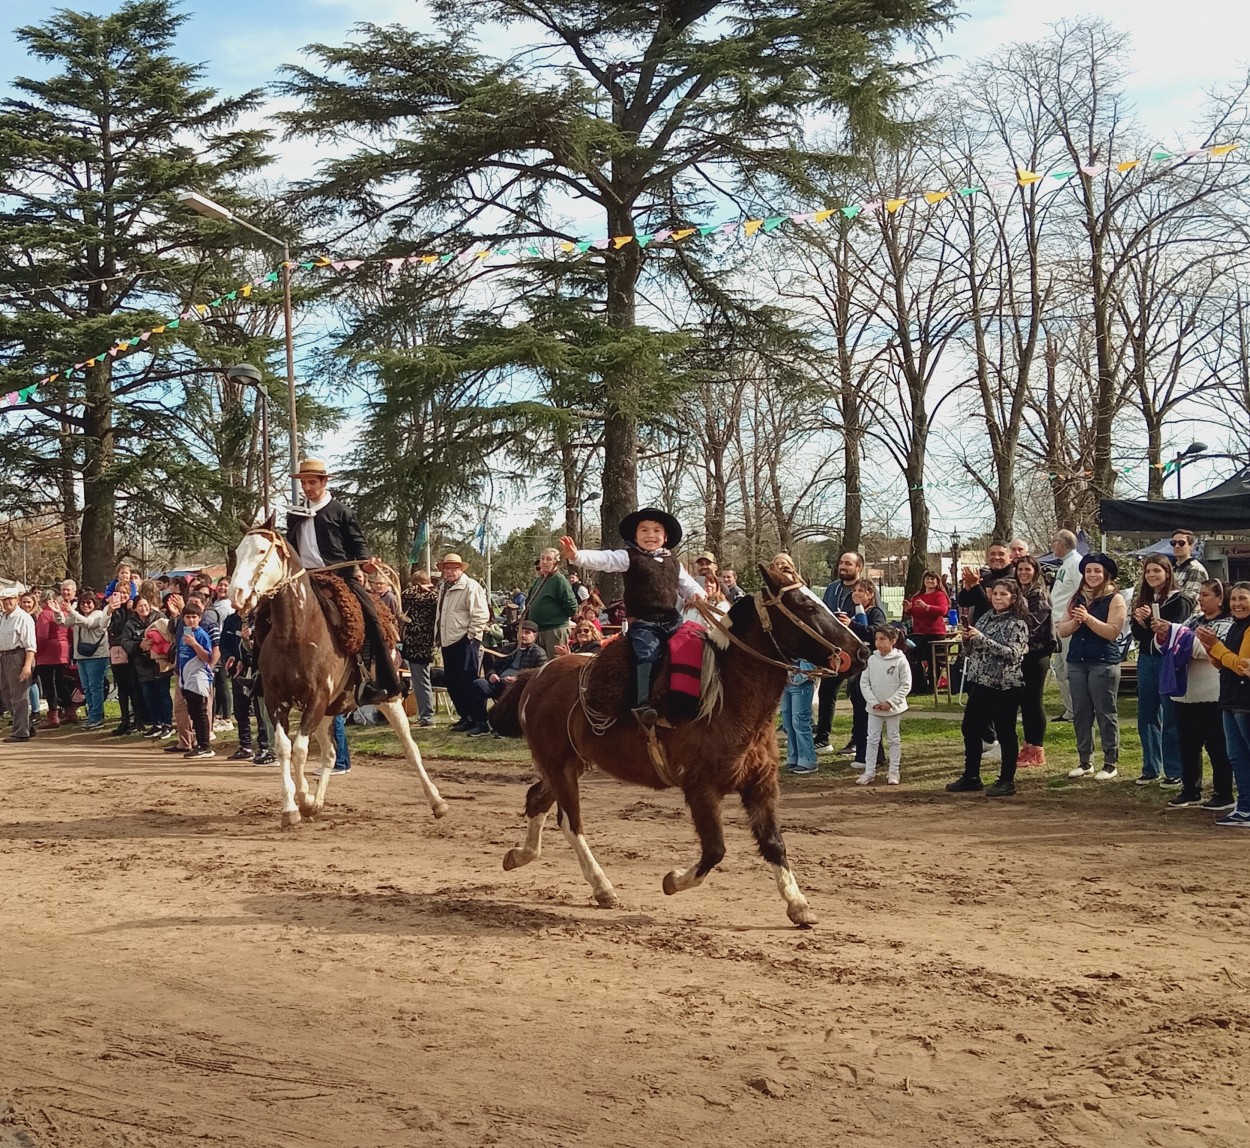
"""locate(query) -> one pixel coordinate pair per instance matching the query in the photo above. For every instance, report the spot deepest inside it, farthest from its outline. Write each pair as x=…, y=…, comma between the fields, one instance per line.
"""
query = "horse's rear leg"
x=393, y=711
x=563, y=785
x=759, y=799
x=704, y=805
x=538, y=803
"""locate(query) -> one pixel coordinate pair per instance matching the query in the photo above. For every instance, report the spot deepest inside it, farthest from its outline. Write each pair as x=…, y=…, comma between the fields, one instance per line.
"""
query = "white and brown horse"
x=302, y=666
x=733, y=751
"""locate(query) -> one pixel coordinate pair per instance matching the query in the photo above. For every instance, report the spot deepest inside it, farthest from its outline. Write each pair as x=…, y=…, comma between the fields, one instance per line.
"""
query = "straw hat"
x=311, y=468
x=452, y=559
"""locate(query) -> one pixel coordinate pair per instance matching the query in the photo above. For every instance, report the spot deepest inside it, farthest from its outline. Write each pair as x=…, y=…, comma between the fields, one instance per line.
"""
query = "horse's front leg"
x=393, y=711
x=299, y=758
x=325, y=742
x=705, y=806
x=759, y=799
x=282, y=747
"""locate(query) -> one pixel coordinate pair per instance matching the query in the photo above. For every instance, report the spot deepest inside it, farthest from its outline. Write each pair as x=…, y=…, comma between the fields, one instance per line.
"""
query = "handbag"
x=90, y=651
x=118, y=656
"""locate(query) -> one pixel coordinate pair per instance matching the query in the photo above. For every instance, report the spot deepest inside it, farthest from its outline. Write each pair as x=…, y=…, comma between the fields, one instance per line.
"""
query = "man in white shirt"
x=17, y=660
x=1063, y=544
x=463, y=613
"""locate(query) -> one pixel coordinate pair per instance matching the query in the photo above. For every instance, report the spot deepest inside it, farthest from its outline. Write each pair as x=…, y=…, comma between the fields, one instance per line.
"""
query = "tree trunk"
x=99, y=489
x=70, y=523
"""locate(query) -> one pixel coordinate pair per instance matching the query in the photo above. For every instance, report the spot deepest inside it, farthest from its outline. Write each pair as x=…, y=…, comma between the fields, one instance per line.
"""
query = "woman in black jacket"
x=149, y=679
x=129, y=697
x=1036, y=663
x=867, y=617
x=1157, y=597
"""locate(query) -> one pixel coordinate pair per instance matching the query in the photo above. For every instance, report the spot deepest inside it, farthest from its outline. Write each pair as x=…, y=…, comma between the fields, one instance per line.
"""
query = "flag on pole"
x=418, y=543
x=479, y=539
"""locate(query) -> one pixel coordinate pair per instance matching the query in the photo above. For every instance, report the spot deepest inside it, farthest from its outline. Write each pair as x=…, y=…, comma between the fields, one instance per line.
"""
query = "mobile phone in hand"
x=1154, y=611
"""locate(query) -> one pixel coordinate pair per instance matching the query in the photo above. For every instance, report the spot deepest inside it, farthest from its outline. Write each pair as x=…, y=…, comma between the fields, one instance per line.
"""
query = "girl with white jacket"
x=885, y=684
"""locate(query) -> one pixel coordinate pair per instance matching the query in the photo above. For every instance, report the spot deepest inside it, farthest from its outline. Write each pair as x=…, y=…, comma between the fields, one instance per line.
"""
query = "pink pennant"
x=1191, y=152
x=875, y=205
x=11, y=398
x=728, y=227
x=146, y=336
x=113, y=352
x=415, y=259
x=601, y=244
x=339, y=265
x=465, y=256
x=802, y=217
x=395, y=264
x=1094, y=169
x=660, y=236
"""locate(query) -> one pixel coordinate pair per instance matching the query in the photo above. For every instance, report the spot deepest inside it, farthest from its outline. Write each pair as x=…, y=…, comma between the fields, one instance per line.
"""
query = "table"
x=942, y=652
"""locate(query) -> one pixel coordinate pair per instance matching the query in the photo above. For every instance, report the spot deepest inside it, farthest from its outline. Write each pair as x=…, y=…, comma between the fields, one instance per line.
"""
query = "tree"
x=90, y=160
x=645, y=111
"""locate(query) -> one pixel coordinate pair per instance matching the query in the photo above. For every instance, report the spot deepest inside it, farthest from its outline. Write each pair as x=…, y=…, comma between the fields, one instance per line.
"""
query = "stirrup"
x=370, y=694
x=647, y=715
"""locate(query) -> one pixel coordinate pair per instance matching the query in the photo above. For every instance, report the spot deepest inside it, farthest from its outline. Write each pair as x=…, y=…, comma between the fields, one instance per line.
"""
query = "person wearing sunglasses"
x=1190, y=573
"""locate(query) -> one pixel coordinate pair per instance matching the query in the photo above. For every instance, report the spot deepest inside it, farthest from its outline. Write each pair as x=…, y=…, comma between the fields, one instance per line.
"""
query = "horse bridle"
x=278, y=543
x=764, y=601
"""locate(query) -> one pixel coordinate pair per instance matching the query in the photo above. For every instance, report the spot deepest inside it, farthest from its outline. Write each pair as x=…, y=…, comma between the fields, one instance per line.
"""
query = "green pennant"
x=232, y=296
x=970, y=190
x=708, y=228
x=852, y=211
x=303, y=267
x=643, y=240
x=134, y=342
x=584, y=245
x=501, y=252
x=272, y=277
x=445, y=258
x=215, y=302
x=1160, y=155
x=25, y=393
x=173, y=324
x=1062, y=174
x=533, y=251
x=774, y=221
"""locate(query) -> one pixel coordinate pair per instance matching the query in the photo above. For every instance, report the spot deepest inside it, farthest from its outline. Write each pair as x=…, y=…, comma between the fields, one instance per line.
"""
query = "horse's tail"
x=505, y=714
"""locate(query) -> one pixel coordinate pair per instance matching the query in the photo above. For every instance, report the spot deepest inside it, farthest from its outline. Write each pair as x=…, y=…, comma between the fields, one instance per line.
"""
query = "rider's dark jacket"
x=339, y=537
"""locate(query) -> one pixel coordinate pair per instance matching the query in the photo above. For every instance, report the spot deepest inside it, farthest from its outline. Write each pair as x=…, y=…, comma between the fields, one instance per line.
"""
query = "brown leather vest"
x=651, y=587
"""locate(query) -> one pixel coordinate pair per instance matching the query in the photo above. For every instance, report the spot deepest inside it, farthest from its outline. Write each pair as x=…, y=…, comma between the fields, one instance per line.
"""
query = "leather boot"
x=52, y=719
x=70, y=715
x=644, y=711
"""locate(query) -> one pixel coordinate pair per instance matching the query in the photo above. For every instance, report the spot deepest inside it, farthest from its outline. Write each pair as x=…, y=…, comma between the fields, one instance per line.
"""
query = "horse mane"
x=505, y=715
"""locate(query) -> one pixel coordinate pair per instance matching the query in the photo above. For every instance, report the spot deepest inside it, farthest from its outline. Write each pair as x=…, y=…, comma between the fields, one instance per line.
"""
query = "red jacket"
x=51, y=639
x=928, y=620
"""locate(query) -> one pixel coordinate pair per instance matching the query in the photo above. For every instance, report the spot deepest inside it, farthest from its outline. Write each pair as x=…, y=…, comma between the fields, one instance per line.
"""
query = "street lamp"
x=593, y=496
x=248, y=376
x=1191, y=452
x=210, y=209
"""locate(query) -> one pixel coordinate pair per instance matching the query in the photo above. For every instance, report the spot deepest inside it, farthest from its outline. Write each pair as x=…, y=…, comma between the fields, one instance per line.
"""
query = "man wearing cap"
x=463, y=613
x=705, y=567
x=17, y=660
x=528, y=655
x=325, y=535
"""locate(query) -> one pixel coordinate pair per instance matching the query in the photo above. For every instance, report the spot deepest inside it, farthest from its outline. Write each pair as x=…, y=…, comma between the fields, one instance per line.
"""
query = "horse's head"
x=804, y=627
x=262, y=562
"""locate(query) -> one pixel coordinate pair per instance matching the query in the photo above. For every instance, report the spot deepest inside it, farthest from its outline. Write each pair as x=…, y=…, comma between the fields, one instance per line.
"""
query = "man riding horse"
x=329, y=535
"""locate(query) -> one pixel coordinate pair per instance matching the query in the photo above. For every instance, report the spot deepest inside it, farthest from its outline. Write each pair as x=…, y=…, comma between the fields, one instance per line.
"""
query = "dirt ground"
x=176, y=970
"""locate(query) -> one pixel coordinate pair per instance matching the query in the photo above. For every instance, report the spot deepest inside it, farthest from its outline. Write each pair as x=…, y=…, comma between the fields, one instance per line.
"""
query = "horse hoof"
x=513, y=859
x=440, y=810
x=670, y=883
x=290, y=818
x=608, y=900
x=801, y=915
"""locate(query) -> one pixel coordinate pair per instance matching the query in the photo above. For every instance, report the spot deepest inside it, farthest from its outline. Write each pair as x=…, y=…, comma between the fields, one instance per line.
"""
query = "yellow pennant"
x=935, y=196
x=159, y=330
x=1024, y=178
x=683, y=233
x=91, y=362
x=245, y=290
x=619, y=241
x=1224, y=149
x=567, y=246
x=429, y=258
x=892, y=205
x=1127, y=165
x=752, y=226
x=821, y=216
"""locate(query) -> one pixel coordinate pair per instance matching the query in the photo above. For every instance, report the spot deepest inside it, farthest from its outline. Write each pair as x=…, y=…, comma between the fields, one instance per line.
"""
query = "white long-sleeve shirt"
x=1066, y=582
x=617, y=562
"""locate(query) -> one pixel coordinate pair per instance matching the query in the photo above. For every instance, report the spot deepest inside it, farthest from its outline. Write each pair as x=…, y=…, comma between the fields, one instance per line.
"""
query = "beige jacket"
x=463, y=611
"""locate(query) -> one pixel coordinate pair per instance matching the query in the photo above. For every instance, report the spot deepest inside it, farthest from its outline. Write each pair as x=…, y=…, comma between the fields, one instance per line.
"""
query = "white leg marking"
x=533, y=847
x=599, y=884
x=678, y=881
x=325, y=742
x=282, y=747
x=393, y=711
x=797, y=908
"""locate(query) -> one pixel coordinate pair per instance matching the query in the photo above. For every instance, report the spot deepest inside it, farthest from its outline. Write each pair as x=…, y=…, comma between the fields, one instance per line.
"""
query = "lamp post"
x=246, y=375
x=1191, y=452
x=210, y=209
x=593, y=496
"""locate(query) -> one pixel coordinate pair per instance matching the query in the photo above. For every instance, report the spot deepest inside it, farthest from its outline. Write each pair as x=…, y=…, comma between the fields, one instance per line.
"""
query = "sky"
x=1178, y=52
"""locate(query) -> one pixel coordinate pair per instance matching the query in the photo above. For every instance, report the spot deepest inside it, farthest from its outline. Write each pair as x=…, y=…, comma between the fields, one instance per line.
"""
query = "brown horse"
x=302, y=666
x=733, y=751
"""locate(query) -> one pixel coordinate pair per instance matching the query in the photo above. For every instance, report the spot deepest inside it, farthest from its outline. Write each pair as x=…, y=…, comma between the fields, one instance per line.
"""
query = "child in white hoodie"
x=885, y=684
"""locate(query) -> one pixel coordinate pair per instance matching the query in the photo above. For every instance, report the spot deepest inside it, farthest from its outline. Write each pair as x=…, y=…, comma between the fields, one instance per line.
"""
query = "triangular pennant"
x=159, y=330
x=145, y=336
x=643, y=240
x=1160, y=156
x=892, y=205
x=485, y=253
x=619, y=241
x=394, y=264
x=773, y=222
x=684, y=233
x=272, y=277
x=427, y=259
x=323, y=261
x=173, y=324
x=873, y=206
x=1189, y=153
x=752, y=226
x=245, y=290
x=851, y=210
x=232, y=296
x=1062, y=174
x=583, y=245
x=661, y=235
x=601, y=244
x=532, y=250
x=828, y=212
x=1094, y=169
x=446, y=258
x=215, y=302
x=25, y=393
x=567, y=246
x=1224, y=149
x=932, y=197
x=1127, y=165
x=802, y=217
x=303, y=267
x=970, y=190
x=1024, y=178
x=91, y=362
x=708, y=228
x=200, y=310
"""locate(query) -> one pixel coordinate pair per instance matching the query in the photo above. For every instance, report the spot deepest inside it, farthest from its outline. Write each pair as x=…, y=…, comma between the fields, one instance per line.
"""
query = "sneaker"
x=821, y=745
x=167, y=731
x=175, y=748
x=1235, y=820
x=240, y=754
x=200, y=751
x=847, y=750
x=859, y=765
x=1144, y=780
x=265, y=758
x=221, y=725
x=803, y=770
x=1185, y=801
x=1107, y=773
x=479, y=730
x=1170, y=783
x=1062, y=717
x=154, y=732
x=1082, y=771
x=892, y=778
x=121, y=731
x=460, y=726
x=1219, y=804
x=965, y=784
x=425, y=723
x=1001, y=788
x=867, y=777
x=991, y=751
x=90, y=725
x=341, y=769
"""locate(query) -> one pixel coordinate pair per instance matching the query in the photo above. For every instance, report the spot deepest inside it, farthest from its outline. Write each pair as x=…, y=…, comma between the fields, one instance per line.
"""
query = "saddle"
x=685, y=684
x=343, y=614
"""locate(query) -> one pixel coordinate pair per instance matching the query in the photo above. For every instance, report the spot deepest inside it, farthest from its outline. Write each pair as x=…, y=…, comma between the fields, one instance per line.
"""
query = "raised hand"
x=568, y=548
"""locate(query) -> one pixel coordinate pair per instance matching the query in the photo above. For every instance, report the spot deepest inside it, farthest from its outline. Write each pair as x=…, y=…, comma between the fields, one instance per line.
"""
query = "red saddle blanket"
x=675, y=687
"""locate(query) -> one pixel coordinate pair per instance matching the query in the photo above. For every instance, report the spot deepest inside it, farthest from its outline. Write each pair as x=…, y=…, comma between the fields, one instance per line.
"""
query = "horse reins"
x=276, y=542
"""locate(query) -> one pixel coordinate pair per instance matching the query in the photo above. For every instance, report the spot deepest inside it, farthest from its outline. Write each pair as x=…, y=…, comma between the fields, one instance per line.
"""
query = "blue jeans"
x=1156, y=724
x=341, y=756
x=796, y=719
x=1237, y=735
x=91, y=672
x=34, y=695
x=157, y=698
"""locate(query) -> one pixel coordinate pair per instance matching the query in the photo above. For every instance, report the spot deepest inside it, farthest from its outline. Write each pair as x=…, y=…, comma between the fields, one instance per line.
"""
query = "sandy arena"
x=179, y=971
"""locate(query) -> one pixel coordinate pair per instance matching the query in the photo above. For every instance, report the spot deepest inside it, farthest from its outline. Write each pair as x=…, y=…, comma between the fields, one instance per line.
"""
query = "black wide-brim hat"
x=1104, y=560
x=672, y=528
